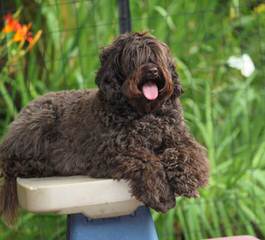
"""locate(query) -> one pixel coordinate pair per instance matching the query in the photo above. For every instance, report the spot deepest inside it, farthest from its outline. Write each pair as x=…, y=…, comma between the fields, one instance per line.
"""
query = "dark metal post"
x=124, y=16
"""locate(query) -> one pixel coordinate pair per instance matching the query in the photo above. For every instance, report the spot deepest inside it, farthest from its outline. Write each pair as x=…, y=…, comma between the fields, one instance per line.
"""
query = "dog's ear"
x=178, y=90
x=108, y=83
x=107, y=78
x=106, y=51
x=111, y=53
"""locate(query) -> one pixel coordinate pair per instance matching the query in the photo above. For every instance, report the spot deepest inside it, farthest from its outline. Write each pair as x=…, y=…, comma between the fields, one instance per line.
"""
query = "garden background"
x=224, y=109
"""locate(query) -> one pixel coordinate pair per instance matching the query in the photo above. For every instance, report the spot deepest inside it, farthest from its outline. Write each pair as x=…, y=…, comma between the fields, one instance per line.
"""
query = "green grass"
x=224, y=110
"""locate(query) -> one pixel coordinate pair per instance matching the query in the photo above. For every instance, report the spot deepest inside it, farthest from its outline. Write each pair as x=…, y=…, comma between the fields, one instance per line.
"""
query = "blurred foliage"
x=224, y=110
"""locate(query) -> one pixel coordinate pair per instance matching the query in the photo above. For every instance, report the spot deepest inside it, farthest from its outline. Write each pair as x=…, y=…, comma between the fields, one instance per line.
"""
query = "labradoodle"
x=131, y=128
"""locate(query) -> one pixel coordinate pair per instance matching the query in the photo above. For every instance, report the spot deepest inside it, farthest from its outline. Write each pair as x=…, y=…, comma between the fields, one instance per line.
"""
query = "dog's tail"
x=8, y=201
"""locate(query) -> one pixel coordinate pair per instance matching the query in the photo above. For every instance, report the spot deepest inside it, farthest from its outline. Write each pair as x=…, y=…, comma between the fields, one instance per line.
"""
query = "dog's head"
x=139, y=68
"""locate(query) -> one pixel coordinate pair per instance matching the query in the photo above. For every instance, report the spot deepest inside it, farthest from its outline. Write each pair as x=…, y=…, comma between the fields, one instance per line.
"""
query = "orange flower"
x=11, y=24
x=21, y=33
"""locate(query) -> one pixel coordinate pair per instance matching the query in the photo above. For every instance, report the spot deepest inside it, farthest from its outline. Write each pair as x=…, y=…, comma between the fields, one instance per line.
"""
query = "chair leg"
x=138, y=225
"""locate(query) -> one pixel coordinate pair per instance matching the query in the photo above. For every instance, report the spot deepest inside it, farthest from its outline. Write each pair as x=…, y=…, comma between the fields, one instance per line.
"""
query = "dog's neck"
x=119, y=111
x=119, y=107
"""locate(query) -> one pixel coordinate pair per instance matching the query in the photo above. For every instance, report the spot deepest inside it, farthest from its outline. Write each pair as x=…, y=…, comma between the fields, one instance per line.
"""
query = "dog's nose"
x=153, y=71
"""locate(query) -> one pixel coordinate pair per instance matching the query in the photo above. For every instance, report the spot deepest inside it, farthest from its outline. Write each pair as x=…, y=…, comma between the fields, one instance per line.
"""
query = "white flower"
x=243, y=63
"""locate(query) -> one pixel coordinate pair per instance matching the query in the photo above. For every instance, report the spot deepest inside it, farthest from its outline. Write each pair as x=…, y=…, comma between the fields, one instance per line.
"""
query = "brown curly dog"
x=132, y=128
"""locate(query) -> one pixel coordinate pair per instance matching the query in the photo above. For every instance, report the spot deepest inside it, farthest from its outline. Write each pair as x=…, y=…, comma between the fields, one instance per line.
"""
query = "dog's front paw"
x=165, y=203
x=160, y=204
x=183, y=179
x=182, y=185
x=189, y=194
x=159, y=197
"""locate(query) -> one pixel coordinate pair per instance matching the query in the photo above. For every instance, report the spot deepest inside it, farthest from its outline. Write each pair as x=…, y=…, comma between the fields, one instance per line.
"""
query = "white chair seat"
x=95, y=198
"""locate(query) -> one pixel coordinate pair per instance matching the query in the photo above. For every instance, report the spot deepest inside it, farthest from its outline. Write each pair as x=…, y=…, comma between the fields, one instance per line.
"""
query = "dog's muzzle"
x=148, y=87
x=151, y=81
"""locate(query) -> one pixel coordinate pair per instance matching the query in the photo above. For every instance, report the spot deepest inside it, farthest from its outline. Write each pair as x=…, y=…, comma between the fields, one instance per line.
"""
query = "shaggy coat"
x=114, y=132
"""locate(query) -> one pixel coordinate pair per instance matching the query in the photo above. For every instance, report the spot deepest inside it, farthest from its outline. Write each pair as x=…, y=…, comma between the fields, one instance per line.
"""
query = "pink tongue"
x=150, y=90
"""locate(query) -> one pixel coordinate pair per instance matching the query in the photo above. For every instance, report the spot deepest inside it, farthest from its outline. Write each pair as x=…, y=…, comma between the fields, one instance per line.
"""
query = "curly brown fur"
x=114, y=132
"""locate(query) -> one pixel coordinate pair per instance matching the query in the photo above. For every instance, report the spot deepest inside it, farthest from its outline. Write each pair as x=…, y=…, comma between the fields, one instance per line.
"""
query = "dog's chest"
x=151, y=130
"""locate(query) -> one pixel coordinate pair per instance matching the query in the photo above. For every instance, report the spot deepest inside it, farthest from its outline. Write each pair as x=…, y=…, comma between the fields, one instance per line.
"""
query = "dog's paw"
x=165, y=204
x=160, y=202
x=159, y=199
x=191, y=194
x=161, y=206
